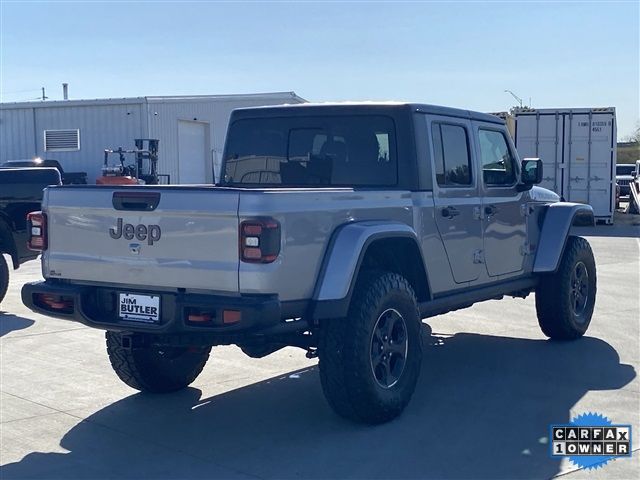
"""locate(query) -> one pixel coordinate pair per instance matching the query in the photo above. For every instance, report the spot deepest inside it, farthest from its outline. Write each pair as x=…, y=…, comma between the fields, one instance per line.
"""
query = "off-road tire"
x=346, y=345
x=556, y=301
x=4, y=277
x=155, y=369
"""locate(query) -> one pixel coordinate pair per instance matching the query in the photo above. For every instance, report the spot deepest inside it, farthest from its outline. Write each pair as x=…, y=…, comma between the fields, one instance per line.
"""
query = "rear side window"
x=312, y=151
x=452, y=159
x=498, y=166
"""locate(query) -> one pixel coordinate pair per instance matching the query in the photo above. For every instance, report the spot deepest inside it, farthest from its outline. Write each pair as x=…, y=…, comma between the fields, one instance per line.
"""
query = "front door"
x=503, y=219
x=456, y=200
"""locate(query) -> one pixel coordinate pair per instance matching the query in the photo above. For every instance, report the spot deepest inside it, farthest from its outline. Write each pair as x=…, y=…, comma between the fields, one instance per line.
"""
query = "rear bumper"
x=98, y=307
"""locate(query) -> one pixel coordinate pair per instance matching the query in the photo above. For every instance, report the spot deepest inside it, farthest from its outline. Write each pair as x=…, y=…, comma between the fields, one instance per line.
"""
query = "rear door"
x=457, y=206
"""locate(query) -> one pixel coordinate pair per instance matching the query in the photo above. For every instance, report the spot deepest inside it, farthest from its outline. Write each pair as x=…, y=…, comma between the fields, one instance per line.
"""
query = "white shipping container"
x=577, y=147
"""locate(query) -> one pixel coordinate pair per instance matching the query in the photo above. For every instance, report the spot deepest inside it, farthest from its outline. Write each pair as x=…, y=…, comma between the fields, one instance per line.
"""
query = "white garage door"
x=192, y=152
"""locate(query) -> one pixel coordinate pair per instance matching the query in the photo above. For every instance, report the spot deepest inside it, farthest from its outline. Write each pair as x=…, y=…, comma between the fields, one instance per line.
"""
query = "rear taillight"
x=259, y=240
x=37, y=228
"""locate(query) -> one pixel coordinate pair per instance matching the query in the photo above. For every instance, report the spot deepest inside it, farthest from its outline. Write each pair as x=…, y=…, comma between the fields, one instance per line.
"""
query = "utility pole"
x=518, y=99
x=44, y=97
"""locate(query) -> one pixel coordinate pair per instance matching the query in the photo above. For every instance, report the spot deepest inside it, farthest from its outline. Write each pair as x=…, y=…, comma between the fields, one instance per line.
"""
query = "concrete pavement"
x=491, y=385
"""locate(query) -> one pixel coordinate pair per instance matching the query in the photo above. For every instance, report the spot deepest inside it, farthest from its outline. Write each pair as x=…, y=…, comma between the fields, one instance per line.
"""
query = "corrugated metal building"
x=191, y=130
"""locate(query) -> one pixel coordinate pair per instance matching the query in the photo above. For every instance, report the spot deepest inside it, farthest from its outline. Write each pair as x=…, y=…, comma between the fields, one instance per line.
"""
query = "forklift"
x=144, y=170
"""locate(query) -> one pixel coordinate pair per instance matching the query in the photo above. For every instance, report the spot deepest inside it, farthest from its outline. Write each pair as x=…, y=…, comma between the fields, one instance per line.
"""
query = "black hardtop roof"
x=341, y=108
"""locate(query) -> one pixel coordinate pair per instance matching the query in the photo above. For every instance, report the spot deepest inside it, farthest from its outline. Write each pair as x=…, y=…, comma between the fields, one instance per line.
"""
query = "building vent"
x=61, y=140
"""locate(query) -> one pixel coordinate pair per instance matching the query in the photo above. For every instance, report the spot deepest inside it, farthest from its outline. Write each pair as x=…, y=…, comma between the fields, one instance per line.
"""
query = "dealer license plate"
x=139, y=308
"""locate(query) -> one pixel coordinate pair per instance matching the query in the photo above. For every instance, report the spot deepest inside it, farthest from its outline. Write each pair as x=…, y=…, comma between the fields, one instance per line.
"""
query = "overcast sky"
x=463, y=54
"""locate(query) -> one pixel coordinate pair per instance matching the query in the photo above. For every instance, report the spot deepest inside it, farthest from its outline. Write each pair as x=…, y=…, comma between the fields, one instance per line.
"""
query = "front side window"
x=498, y=166
x=452, y=159
x=349, y=150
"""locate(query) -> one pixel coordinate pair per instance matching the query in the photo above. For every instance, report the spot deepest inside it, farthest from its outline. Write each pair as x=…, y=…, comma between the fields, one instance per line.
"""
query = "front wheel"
x=566, y=298
x=155, y=369
x=370, y=361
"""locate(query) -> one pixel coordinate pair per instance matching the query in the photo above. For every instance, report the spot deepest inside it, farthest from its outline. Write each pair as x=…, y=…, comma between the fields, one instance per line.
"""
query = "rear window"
x=312, y=151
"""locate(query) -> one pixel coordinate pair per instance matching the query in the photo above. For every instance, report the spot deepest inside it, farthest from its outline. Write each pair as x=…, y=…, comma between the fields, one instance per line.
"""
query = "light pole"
x=519, y=100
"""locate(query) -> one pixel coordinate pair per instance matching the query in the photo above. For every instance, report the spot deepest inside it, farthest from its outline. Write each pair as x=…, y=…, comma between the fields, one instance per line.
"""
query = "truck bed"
x=198, y=245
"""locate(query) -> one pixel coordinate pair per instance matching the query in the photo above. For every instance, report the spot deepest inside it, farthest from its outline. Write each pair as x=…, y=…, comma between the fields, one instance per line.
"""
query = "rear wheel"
x=565, y=299
x=370, y=361
x=4, y=277
x=155, y=369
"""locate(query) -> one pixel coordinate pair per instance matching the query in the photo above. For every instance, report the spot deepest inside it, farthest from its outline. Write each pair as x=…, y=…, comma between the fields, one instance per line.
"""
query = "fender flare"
x=342, y=261
x=556, y=227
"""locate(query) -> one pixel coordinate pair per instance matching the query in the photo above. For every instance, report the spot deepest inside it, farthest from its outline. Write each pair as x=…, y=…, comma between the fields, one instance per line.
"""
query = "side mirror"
x=530, y=173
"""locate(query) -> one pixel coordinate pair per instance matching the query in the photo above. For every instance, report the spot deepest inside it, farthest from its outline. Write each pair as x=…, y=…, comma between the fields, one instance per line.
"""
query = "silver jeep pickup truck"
x=334, y=228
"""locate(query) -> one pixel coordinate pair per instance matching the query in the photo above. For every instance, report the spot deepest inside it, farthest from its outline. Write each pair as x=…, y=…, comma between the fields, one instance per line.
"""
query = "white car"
x=624, y=175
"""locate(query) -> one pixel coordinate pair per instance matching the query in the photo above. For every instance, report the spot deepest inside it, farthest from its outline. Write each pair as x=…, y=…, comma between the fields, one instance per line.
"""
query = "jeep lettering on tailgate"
x=150, y=233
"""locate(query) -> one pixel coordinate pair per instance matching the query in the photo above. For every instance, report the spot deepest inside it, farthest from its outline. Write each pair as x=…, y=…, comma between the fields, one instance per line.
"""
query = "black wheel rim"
x=389, y=347
x=579, y=289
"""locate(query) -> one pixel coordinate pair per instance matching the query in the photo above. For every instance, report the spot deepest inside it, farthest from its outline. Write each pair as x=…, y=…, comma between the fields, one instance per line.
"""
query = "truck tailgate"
x=190, y=240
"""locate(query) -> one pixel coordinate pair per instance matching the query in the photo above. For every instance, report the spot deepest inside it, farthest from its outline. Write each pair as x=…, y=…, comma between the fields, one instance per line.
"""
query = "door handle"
x=490, y=209
x=449, y=212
